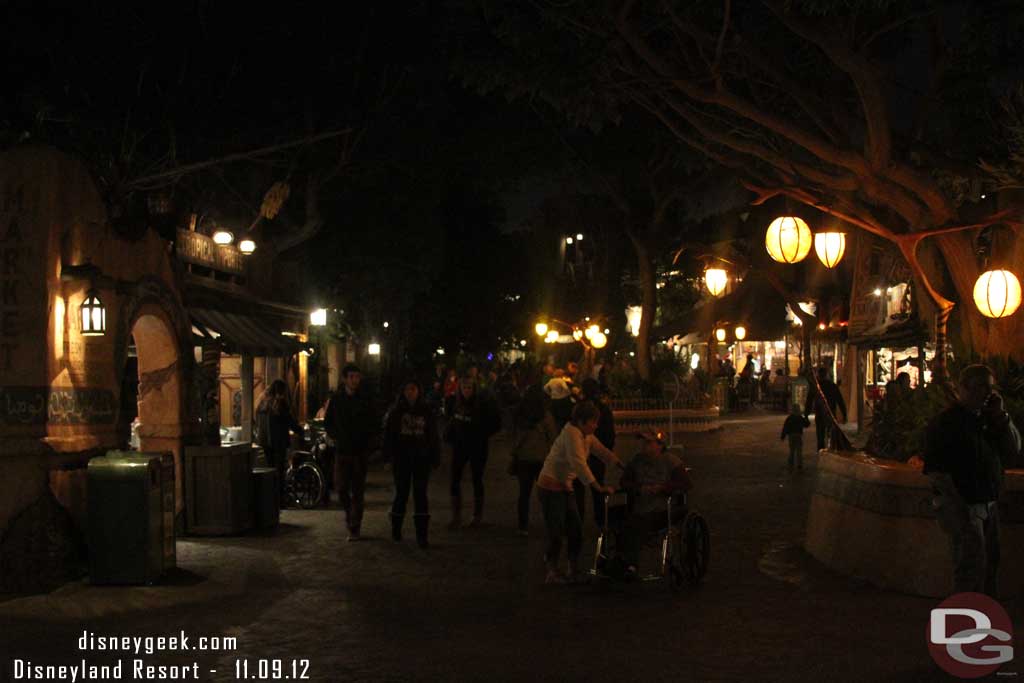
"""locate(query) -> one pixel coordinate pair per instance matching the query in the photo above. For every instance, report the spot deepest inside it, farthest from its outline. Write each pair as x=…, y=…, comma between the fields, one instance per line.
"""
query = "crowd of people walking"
x=561, y=432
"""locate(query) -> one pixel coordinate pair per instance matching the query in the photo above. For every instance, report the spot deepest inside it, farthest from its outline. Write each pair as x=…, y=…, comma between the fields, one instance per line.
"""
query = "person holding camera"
x=968, y=446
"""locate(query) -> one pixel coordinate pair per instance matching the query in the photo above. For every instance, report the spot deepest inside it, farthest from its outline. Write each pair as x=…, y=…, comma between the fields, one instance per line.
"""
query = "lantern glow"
x=716, y=279
x=223, y=237
x=997, y=293
x=598, y=340
x=373, y=349
x=741, y=332
x=720, y=334
x=788, y=239
x=94, y=315
x=830, y=247
x=246, y=246
x=577, y=334
x=318, y=318
x=541, y=329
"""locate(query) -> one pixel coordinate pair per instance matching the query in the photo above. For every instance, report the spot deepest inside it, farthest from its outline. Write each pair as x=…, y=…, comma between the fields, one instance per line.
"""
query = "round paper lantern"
x=599, y=340
x=720, y=334
x=716, y=279
x=997, y=293
x=788, y=239
x=830, y=247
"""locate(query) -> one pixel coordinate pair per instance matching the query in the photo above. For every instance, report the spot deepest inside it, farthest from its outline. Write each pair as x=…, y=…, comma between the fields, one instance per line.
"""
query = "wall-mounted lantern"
x=94, y=315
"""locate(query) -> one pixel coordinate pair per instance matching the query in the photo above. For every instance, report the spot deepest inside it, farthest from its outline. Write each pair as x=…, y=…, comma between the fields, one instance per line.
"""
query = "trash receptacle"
x=128, y=538
x=265, y=504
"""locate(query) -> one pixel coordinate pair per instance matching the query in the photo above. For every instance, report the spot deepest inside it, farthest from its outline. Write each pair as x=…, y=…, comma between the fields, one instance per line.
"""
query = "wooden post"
x=247, y=397
x=920, y=364
x=785, y=342
x=860, y=391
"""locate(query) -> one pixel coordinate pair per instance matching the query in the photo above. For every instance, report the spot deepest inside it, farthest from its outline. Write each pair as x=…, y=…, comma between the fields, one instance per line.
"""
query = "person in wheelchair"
x=650, y=478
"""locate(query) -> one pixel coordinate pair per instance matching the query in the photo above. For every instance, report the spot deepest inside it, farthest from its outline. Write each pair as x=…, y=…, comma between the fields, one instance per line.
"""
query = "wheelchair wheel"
x=609, y=562
x=306, y=485
x=696, y=548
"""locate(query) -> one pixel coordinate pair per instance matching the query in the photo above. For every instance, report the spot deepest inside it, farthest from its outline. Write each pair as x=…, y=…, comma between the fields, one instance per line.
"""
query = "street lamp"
x=568, y=240
x=579, y=237
x=997, y=293
x=788, y=239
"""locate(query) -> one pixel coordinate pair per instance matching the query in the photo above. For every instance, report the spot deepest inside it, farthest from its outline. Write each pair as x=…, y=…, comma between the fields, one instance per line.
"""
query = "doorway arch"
x=161, y=388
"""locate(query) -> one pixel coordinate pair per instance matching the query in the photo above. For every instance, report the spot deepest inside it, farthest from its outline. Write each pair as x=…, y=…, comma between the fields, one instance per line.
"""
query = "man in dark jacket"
x=606, y=435
x=967, y=448
x=833, y=400
x=352, y=424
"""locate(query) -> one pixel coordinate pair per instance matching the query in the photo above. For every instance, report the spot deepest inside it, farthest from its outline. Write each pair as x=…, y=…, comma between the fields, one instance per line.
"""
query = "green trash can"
x=266, y=502
x=126, y=522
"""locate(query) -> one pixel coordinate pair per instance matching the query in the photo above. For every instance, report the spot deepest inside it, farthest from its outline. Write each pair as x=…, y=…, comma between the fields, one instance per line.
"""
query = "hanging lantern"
x=246, y=246
x=788, y=239
x=997, y=293
x=720, y=334
x=830, y=247
x=599, y=340
x=94, y=315
x=223, y=237
x=318, y=317
x=741, y=332
x=541, y=329
x=577, y=334
x=716, y=279
x=591, y=331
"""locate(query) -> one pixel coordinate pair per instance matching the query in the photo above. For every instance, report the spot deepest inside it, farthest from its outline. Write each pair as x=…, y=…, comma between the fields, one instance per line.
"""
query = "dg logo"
x=970, y=635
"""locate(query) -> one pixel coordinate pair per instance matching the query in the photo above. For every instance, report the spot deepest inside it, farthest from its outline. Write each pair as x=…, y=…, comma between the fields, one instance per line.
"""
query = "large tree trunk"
x=648, y=307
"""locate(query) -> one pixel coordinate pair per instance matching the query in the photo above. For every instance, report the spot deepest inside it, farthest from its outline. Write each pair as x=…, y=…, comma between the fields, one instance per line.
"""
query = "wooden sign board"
x=201, y=250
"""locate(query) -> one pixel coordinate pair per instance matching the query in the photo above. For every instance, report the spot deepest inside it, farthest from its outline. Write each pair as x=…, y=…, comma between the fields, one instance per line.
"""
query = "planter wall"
x=873, y=519
x=676, y=421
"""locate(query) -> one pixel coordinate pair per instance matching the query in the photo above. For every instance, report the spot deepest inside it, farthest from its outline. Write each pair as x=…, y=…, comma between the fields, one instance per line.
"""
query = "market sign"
x=200, y=249
x=56, y=405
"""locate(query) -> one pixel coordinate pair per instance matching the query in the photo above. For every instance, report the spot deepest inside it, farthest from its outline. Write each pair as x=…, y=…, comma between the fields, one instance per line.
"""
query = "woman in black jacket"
x=473, y=420
x=279, y=421
x=411, y=442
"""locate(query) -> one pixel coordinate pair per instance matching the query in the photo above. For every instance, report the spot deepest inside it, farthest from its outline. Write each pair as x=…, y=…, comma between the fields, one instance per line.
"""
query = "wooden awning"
x=243, y=334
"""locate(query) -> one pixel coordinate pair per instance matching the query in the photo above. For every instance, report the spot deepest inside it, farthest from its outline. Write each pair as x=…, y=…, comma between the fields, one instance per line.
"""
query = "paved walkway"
x=473, y=607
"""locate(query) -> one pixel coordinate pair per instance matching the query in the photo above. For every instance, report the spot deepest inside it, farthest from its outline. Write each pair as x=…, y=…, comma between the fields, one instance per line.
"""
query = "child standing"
x=793, y=428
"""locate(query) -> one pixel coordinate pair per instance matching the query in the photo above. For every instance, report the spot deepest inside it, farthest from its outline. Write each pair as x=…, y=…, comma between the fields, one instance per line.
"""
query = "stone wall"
x=873, y=519
x=60, y=390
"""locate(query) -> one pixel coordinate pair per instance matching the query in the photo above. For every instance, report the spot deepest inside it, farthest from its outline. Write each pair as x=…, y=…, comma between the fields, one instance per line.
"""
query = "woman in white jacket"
x=567, y=462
